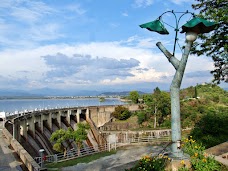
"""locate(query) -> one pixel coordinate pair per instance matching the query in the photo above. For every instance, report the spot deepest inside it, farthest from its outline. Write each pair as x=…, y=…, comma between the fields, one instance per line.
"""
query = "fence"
x=71, y=154
x=74, y=153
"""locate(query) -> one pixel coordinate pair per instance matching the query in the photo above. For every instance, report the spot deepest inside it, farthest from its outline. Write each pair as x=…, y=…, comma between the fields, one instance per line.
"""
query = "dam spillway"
x=33, y=129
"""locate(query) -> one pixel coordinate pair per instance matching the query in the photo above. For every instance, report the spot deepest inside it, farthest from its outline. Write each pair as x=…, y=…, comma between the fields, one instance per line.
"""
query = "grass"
x=73, y=162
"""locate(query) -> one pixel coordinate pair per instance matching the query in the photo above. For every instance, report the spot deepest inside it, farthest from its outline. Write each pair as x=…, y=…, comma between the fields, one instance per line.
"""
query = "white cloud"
x=76, y=8
x=178, y=2
x=26, y=23
x=142, y=3
x=29, y=11
x=30, y=66
x=49, y=31
x=125, y=14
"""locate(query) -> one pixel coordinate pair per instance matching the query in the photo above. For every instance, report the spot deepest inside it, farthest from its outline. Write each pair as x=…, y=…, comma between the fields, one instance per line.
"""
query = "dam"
x=29, y=132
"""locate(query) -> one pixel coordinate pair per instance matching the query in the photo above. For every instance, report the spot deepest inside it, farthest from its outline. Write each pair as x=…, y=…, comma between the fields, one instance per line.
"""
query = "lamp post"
x=41, y=155
x=12, y=123
x=191, y=28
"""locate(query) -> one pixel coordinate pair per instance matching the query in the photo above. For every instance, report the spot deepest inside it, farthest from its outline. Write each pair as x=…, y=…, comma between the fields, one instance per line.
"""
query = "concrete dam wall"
x=33, y=130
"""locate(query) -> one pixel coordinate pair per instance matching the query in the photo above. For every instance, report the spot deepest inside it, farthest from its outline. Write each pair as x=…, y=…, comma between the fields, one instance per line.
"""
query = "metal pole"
x=13, y=131
x=175, y=103
x=41, y=155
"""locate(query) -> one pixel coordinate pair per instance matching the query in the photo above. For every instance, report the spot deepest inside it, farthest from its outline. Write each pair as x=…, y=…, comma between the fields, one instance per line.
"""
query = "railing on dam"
x=71, y=154
x=74, y=154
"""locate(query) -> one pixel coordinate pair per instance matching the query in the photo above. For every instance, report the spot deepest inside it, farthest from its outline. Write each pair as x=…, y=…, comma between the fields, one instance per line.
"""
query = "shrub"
x=121, y=113
x=149, y=163
x=200, y=161
x=212, y=129
x=141, y=117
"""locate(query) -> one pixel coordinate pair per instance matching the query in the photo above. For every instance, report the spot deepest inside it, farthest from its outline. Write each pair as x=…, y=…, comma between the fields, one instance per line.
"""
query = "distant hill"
x=46, y=92
x=122, y=93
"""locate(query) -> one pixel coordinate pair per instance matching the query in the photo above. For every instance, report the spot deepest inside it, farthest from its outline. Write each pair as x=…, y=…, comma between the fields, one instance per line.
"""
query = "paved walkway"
x=7, y=159
x=220, y=152
x=120, y=161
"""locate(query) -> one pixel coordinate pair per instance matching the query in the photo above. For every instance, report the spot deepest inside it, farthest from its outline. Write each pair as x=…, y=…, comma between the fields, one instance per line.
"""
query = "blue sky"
x=91, y=45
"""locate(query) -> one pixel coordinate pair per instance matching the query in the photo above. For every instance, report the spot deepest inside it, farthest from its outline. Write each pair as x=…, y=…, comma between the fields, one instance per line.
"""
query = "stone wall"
x=23, y=154
x=112, y=126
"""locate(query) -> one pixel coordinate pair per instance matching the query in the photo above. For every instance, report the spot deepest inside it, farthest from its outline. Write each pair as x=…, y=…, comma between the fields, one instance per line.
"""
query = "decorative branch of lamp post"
x=191, y=28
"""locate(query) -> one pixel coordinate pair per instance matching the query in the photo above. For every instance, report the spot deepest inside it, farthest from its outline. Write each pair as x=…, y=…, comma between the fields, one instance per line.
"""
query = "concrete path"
x=120, y=161
x=7, y=159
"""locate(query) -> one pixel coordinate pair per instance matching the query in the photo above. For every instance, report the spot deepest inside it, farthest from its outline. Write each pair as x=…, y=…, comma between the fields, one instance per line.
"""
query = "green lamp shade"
x=155, y=26
x=198, y=25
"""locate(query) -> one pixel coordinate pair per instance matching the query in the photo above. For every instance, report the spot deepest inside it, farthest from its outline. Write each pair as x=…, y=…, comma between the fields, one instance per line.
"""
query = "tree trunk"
x=78, y=148
x=155, y=116
x=65, y=152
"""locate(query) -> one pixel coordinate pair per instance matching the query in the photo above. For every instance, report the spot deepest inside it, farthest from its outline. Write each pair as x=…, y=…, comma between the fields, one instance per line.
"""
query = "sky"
x=92, y=45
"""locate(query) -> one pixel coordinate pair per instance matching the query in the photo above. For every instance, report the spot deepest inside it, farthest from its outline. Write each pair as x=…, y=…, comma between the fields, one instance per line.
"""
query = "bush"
x=200, y=161
x=121, y=113
x=157, y=163
x=212, y=129
x=141, y=117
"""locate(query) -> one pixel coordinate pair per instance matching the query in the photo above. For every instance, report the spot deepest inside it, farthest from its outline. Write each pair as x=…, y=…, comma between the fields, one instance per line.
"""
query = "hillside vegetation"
x=203, y=108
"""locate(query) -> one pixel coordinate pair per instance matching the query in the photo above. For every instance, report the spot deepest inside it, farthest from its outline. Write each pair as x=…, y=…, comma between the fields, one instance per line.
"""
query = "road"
x=7, y=160
x=123, y=159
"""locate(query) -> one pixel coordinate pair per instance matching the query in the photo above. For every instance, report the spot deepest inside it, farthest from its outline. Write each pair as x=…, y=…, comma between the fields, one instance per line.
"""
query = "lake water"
x=12, y=105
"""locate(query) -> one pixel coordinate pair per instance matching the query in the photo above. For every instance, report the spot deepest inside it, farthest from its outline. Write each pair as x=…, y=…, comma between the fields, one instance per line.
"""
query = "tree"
x=61, y=135
x=141, y=117
x=214, y=44
x=80, y=135
x=134, y=96
x=121, y=113
x=158, y=104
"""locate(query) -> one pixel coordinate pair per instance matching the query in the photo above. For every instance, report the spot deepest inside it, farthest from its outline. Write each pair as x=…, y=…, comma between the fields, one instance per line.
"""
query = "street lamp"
x=192, y=28
x=41, y=155
x=12, y=123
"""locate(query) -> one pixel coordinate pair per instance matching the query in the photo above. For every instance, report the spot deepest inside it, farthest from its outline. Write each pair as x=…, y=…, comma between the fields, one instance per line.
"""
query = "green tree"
x=141, y=116
x=195, y=94
x=80, y=135
x=121, y=113
x=158, y=104
x=212, y=129
x=60, y=136
x=214, y=44
x=134, y=96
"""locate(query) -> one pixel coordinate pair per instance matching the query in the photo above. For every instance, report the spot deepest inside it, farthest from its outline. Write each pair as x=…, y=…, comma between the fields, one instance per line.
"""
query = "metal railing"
x=150, y=139
x=74, y=153
x=71, y=154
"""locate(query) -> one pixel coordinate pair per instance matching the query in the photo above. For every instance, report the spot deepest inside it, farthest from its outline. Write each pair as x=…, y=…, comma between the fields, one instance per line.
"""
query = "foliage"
x=101, y=99
x=196, y=102
x=214, y=44
x=157, y=163
x=121, y=113
x=212, y=129
x=210, y=99
x=134, y=96
x=142, y=117
x=200, y=161
x=80, y=134
x=60, y=136
x=157, y=105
